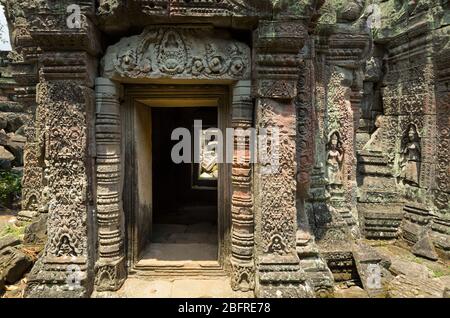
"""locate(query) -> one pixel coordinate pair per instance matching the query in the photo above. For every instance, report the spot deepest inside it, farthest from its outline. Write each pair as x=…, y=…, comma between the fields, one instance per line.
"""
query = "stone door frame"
x=164, y=54
x=136, y=94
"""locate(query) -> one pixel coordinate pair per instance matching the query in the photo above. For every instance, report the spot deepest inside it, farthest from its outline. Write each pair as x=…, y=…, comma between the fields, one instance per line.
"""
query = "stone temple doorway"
x=176, y=212
x=165, y=67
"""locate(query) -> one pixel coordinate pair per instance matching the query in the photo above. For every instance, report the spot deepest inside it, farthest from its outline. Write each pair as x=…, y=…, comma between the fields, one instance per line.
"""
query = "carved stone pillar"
x=110, y=270
x=278, y=273
x=65, y=269
x=242, y=231
x=333, y=213
x=64, y=137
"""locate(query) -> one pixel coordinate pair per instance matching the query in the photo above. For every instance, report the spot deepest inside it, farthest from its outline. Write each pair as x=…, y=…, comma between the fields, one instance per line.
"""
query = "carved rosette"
x=110, y=270
x=242, y=231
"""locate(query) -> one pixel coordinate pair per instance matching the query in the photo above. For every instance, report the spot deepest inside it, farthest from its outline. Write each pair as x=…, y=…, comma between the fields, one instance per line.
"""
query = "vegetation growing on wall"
x=10, y=187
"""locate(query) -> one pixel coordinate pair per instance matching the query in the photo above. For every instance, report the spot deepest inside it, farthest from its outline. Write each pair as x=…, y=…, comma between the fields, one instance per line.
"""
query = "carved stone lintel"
x=177, y=8
x=167, y=52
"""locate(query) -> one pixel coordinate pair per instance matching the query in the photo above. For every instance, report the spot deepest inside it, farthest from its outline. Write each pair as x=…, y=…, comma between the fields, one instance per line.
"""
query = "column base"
x=58, y=281
x=316, y=268
x=242, y=276
x=25, y=217
x=110, y=276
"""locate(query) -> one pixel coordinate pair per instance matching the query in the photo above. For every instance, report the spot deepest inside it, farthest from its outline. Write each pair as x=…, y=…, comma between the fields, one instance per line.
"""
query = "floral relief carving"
x=279, y=188
x=161, y=52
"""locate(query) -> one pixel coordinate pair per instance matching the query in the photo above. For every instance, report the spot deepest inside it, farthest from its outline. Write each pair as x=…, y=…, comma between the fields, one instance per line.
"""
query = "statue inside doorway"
x=209, y=169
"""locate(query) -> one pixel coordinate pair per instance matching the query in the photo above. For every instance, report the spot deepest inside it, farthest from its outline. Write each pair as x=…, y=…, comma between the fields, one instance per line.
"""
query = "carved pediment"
x=178, y=53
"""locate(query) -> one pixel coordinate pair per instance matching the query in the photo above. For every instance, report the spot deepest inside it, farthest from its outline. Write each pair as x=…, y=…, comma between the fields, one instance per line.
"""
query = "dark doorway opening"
x=185, y=209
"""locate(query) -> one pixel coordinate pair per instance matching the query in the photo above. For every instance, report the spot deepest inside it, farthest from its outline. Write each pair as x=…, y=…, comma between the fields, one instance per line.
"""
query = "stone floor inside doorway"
x=188, y=245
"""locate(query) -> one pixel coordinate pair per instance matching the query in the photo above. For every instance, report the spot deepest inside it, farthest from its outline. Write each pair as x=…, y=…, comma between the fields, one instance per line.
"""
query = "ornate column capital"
x=278, y=45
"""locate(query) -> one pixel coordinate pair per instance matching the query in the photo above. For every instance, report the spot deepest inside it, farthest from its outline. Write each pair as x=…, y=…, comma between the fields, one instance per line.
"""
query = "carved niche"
x=410, y=156
x=177, y=53
x=335, y=159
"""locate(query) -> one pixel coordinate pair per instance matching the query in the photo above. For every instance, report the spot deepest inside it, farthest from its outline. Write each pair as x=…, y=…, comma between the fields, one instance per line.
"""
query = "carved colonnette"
x=242, y=230
x=279, y=273
x=315, y=267
x=110, y=268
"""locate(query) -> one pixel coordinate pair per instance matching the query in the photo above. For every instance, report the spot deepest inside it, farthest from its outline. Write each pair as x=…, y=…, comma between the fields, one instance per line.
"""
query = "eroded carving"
x=335, y=158
x=410, y=157
x=161, y=52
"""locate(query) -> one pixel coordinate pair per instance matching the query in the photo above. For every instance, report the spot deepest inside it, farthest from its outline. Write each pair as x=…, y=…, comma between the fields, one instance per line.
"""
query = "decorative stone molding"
x=219, y=8
x=278, y=47
x=176, y=53
x=200, y=8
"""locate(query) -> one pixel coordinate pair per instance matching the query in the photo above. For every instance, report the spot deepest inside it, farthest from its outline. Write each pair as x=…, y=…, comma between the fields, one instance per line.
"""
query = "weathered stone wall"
x=54, y=72
x=404, y=166
x=13, y=118
x=375, y=80
x=358, y=90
